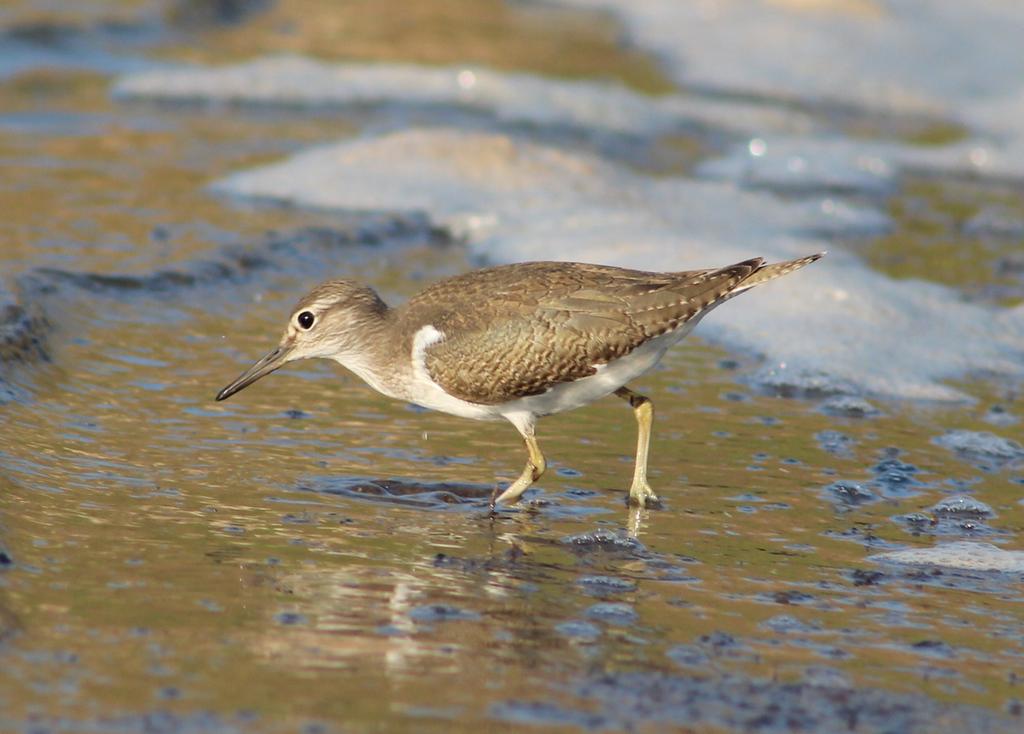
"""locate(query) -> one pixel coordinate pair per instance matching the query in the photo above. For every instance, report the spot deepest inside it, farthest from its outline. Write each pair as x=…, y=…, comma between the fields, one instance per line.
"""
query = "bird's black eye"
x=306, y=319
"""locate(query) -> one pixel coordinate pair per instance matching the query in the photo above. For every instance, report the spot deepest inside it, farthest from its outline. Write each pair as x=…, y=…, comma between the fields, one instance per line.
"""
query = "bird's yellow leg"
x=535, y=466
x=640, y=492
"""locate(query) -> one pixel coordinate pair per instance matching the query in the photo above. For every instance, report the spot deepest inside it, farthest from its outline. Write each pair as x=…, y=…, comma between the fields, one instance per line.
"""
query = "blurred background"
x=839, y=452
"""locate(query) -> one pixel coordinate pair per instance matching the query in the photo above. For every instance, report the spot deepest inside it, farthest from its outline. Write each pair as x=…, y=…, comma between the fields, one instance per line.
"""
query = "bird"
x=515, y=342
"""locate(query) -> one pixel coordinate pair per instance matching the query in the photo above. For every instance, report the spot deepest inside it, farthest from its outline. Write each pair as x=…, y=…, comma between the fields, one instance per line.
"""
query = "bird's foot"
x=510, y=496
x=515, y=490
x=641, y=495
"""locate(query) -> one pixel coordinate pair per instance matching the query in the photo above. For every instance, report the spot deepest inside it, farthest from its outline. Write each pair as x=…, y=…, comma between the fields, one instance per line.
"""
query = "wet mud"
x=22, y=330
x=297, y=252
x=734, y=704
x=442, y=495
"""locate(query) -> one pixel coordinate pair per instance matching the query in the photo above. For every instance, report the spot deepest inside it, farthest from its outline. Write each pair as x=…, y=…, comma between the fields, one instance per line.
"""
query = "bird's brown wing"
x=539, y=324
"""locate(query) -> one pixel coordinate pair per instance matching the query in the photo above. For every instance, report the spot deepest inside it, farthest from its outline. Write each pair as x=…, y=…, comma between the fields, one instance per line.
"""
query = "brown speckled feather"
x=500, y=345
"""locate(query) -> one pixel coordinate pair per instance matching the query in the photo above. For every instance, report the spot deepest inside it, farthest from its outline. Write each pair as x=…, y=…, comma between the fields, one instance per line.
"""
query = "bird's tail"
x=770, y=272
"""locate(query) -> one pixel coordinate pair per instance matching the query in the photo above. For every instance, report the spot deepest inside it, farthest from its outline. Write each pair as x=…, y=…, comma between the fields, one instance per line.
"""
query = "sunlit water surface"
x=312, y=556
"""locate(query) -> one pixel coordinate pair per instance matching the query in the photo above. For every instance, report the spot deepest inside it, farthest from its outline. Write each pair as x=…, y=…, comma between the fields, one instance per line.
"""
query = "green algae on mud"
x=518, y=36
x=27, y=14
x=966, y=234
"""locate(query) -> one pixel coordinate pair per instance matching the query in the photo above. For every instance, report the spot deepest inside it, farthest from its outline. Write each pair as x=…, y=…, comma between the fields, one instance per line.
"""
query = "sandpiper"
x=516, y=341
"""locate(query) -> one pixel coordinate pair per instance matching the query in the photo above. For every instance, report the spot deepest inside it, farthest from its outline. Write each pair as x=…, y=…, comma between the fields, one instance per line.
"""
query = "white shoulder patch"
x=424, y=391
x=421, y=341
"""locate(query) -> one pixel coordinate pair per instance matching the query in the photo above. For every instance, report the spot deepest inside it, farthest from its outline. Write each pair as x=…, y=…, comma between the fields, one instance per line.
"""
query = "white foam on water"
x=513, y=200
x=947, y=59
x=791, y=155
x=516, y=98
x=902, y=55
x=808, y=164
x=965, y=555
x=813, y=164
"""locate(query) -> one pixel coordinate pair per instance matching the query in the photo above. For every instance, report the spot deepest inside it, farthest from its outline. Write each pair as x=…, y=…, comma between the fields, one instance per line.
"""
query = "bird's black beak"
x=265, y=366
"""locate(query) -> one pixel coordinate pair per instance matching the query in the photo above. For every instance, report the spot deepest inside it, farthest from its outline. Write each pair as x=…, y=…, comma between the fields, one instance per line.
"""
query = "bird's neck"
x=376, y=352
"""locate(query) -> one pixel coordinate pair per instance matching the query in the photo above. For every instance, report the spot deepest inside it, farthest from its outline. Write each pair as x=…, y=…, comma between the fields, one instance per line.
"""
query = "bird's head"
x=331, y=322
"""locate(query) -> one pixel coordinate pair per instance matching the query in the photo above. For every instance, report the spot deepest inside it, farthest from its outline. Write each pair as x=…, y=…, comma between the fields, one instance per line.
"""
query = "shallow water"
x=311, y=556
